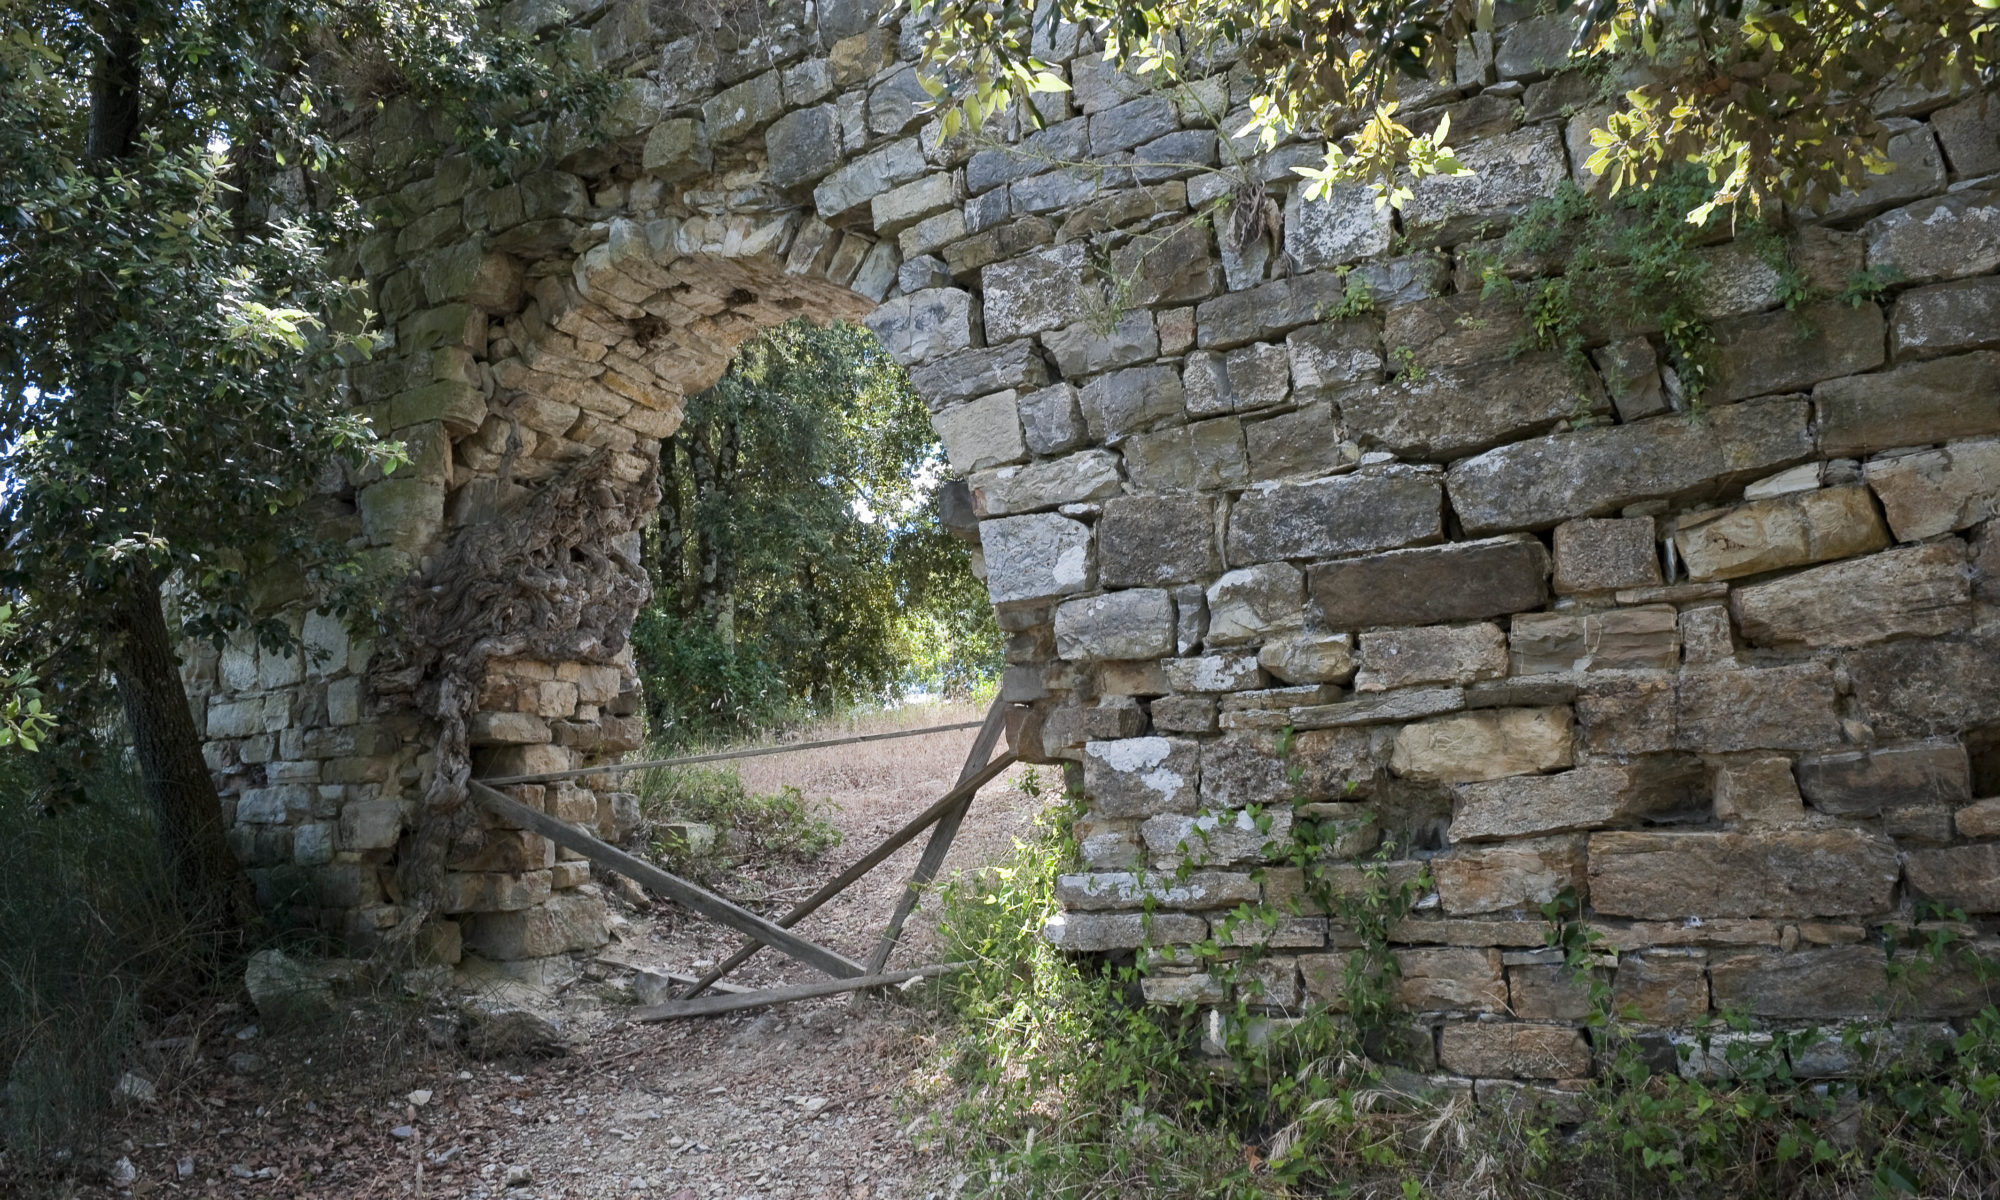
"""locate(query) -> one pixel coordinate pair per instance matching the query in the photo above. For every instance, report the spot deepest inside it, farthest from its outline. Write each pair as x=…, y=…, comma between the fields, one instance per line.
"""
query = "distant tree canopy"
x=1776, y=101
x=797, y=562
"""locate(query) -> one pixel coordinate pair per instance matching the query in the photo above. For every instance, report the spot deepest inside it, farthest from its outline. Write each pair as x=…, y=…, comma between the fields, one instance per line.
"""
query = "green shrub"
x=95, y=948
x=748, y=829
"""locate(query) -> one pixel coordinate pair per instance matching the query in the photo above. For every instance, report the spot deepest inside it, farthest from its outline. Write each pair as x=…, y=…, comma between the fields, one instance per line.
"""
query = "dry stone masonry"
x=1724, y=673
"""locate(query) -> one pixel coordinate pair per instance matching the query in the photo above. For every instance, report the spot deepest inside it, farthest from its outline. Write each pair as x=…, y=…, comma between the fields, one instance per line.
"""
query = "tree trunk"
x=172, y=773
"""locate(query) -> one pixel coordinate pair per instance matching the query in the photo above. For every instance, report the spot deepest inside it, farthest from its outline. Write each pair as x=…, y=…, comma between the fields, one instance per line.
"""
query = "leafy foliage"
x=749, y=830
x=1771, y=101
x=798, y=563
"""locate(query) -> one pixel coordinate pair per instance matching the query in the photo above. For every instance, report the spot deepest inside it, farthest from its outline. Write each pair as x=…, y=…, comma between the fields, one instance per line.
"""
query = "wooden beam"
x=932, y=860
x=868, y=862
x=680, y=891
x=708, y=1006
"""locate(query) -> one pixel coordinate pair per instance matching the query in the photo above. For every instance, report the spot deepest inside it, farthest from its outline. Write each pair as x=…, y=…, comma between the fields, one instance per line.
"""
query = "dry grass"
x=840, y=773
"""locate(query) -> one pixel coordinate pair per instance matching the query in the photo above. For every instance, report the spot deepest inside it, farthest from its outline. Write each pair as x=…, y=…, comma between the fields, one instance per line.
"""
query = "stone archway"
x=1728, y=684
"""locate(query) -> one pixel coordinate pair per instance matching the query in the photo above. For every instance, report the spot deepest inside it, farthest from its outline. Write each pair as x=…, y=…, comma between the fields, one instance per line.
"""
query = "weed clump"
x=704, y=822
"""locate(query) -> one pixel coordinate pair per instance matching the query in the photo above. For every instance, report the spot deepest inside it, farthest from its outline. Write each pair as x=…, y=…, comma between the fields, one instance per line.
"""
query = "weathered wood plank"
x=680, y=891
x=954, y=798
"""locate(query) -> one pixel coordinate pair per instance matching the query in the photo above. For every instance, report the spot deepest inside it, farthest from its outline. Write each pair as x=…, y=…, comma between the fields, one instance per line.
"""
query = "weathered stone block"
x=1126, y=889
x=1122, y=403
x=1756, y=789
x=1620, y=639
x=1346, y=226
x=1631, y=372
x=1522, y=874
x=1840, y=981
x=1909, y=405
x=1086, y=348
x=1184, y=714
x=1215, y=673
x=1488, y=744
x=803, y=145
x=1223, y=838
x=1965, y=877
x=1513, y=1050
x=1157, y=540
x=1768, y=353
x=1453, y=411
x=1393, y=658
x=1946, y=238
x=1978, y=820
x=1051, y=420
x=1038, y=557
x=1600, y=555
x=1204, y=456
x=1142, y=777
x=1918, y=590
x=1302, y=658
x=1465, y=581
x=1757, y=708
x=982, y=433
x=924, y=325
x=1917, y=171
x=1589, y=797
x=841, y=194
x=1094, y=933
x=1548, y=992
x=1937, y=491
x=1923, y=686
x=1946, y=319
x=1346, y=515
x=1785, y=531
x=1507, y=175
x=1660, y=988
x=1039, y=291
x=1117, y=625
x=1252, y=603
x=1790, y=873
x=1090, y=475
x=1544, y=481
x=1450, y=977
x=1860, y=783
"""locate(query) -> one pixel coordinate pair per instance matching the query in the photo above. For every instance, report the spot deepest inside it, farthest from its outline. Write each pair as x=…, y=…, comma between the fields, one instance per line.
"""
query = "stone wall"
x=1728, y=674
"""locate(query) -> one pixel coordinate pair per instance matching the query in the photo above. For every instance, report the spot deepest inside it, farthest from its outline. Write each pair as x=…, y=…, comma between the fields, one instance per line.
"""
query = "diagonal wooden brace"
x=680, y=891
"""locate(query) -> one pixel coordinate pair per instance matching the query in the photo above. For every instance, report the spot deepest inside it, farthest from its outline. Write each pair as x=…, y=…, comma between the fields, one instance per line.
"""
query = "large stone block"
x=924, y=325
x=1251, y=603
x=847, y=190
x=1128, y=890
x=1544, y=481
x=969, y=373
x=1823, y=984
x=1917, y=170
x=1450, y=978
x=1600, y=555
x=556, y=926
x=1302, y=658
x=1037, y=557
x=1861, y=783
x=1589, y=797
x=1215, y=673
x=1051, y=419
x=1350, y=514
x=981, y=433
x=1919, y=590
x=1464, y=581
x=1157, y=539
x=803, y=145
x=1910, y=405
x=1620, y=639
x=1226, y=837
x=1507, y=174
x=1757, y=708
x=1142, y=777
x=1345, y=227
x=1520, y=875
x=1329, y=358
x=1661, y=988
x=1091, y=475
x=1964, y=877
x=1947, y=318
x=1095, y=933
x=1117, y=625
x=1040, y=291
x=1087, y=348
x=1784, y=531
x=1491, y=743
x=1449, y=412
x=1125, y=402
x=1768, y=353
x=1919, y=687
x=1937, y=491
x=1513, y=1050
x=1394, y=658
x=1797, y=873
x=1946, y=238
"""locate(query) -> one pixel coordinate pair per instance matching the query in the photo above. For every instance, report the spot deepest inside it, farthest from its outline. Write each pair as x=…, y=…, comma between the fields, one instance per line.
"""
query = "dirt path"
x=808, y=1100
